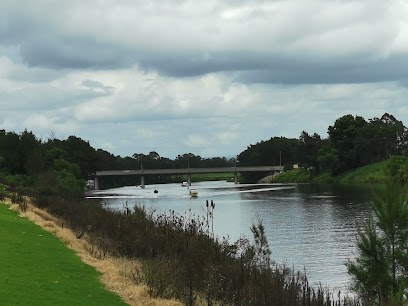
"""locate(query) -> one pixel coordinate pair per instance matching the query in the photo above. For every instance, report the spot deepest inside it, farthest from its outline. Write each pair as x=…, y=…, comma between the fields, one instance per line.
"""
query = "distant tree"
x=81, y=153
x=30, y=154
x=273, y=152
x=53, y=154
x=328, y=159
x=215, y=162
x=310, y=146
x=154, y=156
x=342, y=135
x=188, y=160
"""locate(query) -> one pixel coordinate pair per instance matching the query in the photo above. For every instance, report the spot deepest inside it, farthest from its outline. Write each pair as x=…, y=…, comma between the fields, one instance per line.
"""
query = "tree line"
x=71, y=161
x=352, y=142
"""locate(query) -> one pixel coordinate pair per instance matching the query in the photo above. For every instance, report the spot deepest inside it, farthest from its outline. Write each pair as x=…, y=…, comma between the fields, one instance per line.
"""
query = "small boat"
x=156, y=191
x=184, y=184
x=193, y=193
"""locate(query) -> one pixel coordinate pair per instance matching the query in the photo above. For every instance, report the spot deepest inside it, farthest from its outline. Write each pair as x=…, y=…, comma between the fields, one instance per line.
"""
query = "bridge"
x=187, y=171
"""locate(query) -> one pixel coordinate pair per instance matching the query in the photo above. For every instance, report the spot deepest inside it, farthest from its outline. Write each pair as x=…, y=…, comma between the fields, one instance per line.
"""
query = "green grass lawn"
x=368, y=174
x=36, y=268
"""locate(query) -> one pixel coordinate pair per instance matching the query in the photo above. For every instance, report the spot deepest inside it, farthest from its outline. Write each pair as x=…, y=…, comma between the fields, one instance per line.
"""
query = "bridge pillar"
x=189, y=179
x=235, y=177
x=96, y=183
x=142, y=182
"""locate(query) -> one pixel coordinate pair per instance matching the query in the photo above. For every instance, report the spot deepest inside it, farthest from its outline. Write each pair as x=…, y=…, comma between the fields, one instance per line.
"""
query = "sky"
x=203, y=77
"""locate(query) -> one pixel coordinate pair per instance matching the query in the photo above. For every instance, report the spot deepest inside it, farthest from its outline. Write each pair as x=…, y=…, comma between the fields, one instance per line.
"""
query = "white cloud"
x=201, y=77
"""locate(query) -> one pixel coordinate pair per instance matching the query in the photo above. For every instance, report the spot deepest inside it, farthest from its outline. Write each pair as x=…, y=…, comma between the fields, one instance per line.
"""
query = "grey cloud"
x=353, y=71
x=262, y=68
x=97, y=86
x=74, y=53
x=34, y=75
x=45, y=43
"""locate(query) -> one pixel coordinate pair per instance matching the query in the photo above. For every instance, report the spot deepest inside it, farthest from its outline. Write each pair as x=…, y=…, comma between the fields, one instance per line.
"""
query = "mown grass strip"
x=38, y=269
x=199, y=177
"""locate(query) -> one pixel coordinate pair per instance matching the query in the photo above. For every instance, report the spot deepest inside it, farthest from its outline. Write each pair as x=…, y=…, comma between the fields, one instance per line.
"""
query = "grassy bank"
x=369, y=174
x=180, y=259
x=293, y=176
x=201, y=177
x=37, y=268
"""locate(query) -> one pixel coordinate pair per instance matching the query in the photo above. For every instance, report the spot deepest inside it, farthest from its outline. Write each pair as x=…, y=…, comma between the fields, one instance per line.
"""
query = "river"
x=309, y=227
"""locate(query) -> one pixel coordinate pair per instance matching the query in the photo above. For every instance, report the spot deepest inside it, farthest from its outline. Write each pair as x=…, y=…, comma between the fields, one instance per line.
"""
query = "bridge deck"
x=190, y=170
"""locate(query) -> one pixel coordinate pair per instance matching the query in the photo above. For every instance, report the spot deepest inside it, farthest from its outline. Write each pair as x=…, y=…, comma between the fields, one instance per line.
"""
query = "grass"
x=324, y=178
x=200, y=177
x=37, y=268
x=364, y=175
x=368, y=174
x=293, y=176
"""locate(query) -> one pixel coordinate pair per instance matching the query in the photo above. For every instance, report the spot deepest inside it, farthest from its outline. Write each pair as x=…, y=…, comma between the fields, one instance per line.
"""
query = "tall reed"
x=183, y=259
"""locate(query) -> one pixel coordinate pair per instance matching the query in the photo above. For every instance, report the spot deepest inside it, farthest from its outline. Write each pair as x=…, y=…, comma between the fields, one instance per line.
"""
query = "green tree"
x=342, y=135
x=379, y=273
x=310, y=146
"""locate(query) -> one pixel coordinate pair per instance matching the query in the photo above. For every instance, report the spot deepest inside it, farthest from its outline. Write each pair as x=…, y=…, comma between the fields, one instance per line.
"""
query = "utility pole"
x=280, y=158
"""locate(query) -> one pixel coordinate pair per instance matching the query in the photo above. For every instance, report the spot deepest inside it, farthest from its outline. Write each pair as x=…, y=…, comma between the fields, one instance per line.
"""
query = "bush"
x=182, y=260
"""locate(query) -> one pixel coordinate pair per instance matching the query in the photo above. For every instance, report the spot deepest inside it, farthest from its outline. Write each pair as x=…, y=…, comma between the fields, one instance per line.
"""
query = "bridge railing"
x=191, y=170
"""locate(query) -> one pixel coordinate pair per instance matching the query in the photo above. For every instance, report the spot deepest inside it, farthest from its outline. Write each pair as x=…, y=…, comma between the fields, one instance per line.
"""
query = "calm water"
x=308, y=227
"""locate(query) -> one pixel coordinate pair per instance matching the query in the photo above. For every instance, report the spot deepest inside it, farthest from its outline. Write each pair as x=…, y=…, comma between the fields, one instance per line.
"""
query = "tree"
x=379, y=273
x=310, y=145
x=342, y=135
x=81, y=153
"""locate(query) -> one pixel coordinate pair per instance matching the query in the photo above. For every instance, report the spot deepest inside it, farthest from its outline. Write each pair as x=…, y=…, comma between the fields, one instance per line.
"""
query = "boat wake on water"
x=203, y=193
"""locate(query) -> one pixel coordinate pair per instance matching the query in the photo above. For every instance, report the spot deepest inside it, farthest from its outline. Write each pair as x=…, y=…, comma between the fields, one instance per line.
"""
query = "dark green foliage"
x=276, y=151
x=342, y=135
x=397, y=168
x=293, y=176
x=353, y=142
x=310, y=146
x=380, y=271
x=182, y=260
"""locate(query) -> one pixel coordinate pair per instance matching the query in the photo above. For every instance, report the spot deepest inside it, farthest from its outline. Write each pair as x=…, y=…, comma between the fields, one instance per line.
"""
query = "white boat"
x=184, y=184
x=193, y=193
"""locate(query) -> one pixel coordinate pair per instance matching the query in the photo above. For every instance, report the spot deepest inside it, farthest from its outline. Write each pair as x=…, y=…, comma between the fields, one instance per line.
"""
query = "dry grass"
x=120, y=275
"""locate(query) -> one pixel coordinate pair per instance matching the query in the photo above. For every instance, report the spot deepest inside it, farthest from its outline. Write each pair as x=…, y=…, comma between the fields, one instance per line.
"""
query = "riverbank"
x=369, y=174
x=117, y=273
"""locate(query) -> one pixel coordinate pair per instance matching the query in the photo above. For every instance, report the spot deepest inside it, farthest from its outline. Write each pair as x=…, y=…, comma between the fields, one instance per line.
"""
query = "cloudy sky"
x=206, y=77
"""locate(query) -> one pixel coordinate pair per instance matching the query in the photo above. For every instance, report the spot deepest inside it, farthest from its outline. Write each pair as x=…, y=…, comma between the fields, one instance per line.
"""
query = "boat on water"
x=184, y=184
x=193, y=193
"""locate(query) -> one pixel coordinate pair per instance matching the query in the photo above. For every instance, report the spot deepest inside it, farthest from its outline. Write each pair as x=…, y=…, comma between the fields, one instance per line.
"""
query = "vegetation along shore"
x=179, y=258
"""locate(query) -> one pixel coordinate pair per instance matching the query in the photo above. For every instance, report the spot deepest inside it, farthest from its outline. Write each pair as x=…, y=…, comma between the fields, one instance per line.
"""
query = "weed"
x=183, y=259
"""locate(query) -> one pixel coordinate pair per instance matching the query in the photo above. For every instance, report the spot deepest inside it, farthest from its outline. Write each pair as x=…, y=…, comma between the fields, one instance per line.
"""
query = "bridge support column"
x=189, y=179
x=142, y=181
x=235, y=177
x=96, y=183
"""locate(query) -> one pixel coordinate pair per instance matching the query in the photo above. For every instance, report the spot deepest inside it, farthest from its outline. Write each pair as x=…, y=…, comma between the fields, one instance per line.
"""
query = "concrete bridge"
x=187, y=171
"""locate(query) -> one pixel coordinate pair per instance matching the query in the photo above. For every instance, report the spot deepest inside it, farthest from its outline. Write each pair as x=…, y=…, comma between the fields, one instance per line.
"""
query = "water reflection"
x=308, y=226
